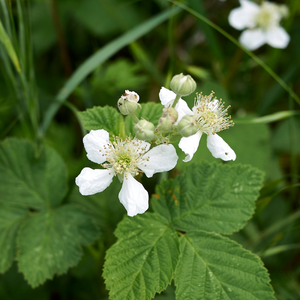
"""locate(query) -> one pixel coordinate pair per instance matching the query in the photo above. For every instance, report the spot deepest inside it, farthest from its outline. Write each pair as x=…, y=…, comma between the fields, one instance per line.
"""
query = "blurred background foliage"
x=52, y=39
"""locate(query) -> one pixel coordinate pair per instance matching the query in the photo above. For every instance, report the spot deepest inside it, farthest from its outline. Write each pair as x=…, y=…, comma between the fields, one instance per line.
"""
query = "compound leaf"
x=211, y=197
x=143, y=260
x=213, y=267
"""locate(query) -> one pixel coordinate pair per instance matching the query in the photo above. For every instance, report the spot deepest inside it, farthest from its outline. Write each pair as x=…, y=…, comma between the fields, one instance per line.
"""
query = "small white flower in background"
x=167, y=98
x=126, y=159
x=208, y=116
x=261, y=23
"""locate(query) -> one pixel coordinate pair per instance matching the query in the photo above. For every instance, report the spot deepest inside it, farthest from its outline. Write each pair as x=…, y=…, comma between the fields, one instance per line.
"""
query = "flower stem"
x=134, y=117
x=176, y=100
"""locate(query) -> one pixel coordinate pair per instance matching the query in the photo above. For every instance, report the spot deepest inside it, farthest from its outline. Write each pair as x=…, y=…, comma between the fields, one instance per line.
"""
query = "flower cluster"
x=127, y=158
x=262, y=24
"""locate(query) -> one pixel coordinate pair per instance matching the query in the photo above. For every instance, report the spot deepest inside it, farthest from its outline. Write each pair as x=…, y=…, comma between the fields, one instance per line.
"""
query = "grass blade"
x=269, y=118
x=9, y=47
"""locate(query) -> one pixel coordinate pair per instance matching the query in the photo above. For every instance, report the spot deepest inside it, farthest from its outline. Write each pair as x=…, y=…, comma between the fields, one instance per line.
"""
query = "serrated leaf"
x=50, y=242
x=150, y=111
x=107, y=118
x=10, y=219
x=142, y=261
x=211, y=197
x=31, y=179
x=213, y=267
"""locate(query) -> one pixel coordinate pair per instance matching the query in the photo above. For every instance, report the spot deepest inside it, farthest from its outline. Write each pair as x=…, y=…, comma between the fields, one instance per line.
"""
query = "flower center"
x=123, y=156
x=210, y=115
x=268, y=16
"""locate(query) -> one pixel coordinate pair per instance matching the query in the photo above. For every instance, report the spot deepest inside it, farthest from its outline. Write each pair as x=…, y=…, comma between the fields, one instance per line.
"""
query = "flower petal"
x=92, y=181
x=182, y=109
x=166, y=97
x=244, y=16
x=277, y=37
x=133, y=196
x=219, y=148
x=253, y=39
x=94, y=142
x=131, y=96
x=189, y=145
x=159, y=159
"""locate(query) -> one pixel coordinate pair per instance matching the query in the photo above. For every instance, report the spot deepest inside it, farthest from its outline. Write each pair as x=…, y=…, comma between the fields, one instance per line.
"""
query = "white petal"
x=160, y=158
x=166, y=97
x=131, y=96
x=189, y=145
x=219, y=148
x=253, y=39
x=277, y=37
x=133, y=196
x=182, y=109
x=92, y=181
x=94, y=142
x=244, y=16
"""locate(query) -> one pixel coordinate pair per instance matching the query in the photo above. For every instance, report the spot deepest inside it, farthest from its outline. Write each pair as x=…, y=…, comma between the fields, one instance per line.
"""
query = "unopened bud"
x=172, y=113
x=144, y=130
x=183, y=85
x=128, y=103
x=167, y=119
x=186, y=126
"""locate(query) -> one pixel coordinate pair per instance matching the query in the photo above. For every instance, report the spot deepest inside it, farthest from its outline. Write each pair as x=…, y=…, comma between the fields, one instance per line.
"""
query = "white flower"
x=209, y=116
x=261, y=24
x=167, y=98
x=126, y=159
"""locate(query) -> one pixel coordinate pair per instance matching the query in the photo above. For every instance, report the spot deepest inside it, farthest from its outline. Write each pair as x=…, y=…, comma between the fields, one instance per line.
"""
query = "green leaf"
x=142, y=261
x=107, y=118
x=50, y=242
x=213, y=267
x=10, y=219
x=30, y=179
x=212, y=197
x=150, y=111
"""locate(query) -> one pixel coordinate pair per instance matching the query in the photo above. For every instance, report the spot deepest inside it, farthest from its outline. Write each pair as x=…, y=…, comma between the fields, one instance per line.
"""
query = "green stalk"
x=176, y=100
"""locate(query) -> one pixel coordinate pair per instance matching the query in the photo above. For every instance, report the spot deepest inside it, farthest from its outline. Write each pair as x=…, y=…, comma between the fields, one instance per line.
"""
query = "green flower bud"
x=187, y=126
x=172, y=112
x=167, y=119
x=165, y=124
x=183, y=85
x=128, y=103
x=144, y=130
